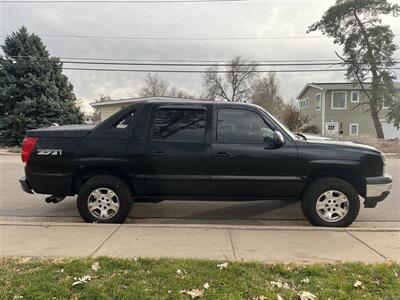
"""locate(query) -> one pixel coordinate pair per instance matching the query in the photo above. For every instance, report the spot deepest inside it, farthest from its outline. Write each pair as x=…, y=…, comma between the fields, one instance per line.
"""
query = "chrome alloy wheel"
x=332, y=206
x=103, y=203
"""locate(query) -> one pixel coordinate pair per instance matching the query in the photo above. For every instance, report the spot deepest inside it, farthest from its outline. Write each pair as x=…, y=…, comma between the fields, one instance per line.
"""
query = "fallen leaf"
x=195, y=293
x=223, y=266
x=396, y=274
x=179, y=272
x=305, y=280
x=358, y=284
x=81, y=280
x=25, y=260
x=279, y=297
x=307, y=296
x=279, y=284
x=95, y=266
x=206, y=286
x=259, y=298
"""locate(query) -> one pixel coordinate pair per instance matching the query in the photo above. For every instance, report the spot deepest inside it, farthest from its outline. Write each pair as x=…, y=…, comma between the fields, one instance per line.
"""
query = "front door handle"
x=223, y=153
x=159, y=153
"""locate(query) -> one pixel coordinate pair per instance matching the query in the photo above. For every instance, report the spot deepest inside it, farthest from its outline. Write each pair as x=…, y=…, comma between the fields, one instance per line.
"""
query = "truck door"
x=245, y=160
x=178, y=151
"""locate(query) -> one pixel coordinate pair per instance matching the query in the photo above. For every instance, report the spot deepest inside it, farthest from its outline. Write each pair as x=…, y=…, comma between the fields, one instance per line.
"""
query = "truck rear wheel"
x=330, y=202
x=104, y=199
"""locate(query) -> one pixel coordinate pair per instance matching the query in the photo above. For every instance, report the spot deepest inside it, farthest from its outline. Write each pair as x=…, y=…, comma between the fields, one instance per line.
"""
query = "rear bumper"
x=378, y=188
x=26, y=187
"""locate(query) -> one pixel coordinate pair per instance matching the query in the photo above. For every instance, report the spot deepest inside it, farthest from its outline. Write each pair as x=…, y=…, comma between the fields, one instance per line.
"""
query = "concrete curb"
x=9, y=153
x=207, y=226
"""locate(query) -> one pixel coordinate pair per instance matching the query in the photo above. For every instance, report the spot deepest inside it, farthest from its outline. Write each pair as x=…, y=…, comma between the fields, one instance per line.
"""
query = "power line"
x=120, y=1
x=151, y=1
x=173, y=60
x=251, y=64
x=181, y=38
x=190, y=62
x=207, y=71
x=178, y=38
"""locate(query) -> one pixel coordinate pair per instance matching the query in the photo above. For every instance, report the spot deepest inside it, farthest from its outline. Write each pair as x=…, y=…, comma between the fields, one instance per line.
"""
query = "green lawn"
x=159, y=279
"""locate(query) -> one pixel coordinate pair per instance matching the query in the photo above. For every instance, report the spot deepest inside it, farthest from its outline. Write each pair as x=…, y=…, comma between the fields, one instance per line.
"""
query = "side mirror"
x=279, y=139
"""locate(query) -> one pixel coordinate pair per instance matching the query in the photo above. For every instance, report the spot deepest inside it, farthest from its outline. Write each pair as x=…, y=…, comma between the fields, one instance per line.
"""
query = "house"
x=336, y=109
x=109, y=107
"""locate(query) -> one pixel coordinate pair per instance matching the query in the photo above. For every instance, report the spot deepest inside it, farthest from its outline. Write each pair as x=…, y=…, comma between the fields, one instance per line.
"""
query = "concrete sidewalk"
x=261, y=243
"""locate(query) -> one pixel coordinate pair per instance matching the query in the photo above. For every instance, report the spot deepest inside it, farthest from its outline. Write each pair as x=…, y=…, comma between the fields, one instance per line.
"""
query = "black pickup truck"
x=174, y=149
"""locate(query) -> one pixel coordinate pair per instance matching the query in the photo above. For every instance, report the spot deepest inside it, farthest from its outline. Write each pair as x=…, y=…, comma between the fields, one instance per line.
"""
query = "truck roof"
x=130, y=101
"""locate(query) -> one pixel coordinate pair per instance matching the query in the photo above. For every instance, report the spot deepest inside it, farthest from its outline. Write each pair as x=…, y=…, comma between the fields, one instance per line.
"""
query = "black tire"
x=322, y=185
x=118, y=186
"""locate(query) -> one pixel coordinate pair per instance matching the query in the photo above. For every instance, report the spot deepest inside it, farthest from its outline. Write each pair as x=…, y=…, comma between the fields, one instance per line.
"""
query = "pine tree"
x=33, y=91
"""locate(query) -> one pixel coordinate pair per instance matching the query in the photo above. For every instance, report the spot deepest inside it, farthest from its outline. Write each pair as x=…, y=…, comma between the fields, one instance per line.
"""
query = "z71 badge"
x=49, y=152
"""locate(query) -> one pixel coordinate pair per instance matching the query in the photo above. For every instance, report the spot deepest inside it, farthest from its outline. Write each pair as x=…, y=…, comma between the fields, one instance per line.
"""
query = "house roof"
x=337, y=86
x=133, y=100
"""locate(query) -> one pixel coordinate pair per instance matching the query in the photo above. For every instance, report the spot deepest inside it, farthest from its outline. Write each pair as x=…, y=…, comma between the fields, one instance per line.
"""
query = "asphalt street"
x=14, y=203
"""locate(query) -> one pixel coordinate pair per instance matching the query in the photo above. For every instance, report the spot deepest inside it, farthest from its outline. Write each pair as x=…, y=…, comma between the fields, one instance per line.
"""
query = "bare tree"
x=154, y=86
x=175, y=92
x=234, y=85
x=292, y=117
x=265, y=93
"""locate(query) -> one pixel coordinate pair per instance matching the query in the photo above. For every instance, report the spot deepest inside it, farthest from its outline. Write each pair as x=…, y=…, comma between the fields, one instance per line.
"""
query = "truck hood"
x=315, y=139
x=73, y=131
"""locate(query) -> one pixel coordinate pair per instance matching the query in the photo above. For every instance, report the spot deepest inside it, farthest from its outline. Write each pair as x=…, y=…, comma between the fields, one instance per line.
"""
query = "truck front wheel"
x=330, y=202
x=104, y=199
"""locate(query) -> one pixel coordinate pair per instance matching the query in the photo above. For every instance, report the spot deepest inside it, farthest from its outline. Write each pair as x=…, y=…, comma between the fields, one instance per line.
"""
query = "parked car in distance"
x=163, y=149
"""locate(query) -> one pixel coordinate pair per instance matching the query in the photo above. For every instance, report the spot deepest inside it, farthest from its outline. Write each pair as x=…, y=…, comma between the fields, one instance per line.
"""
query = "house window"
x=355, y=96
x=339, y=100
x=304, y=103
x=387, y=102
x=353, y=129
x=318, y=102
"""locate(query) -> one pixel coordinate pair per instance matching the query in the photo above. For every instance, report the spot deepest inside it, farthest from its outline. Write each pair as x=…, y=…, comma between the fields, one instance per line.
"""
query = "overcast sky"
x=255, y=18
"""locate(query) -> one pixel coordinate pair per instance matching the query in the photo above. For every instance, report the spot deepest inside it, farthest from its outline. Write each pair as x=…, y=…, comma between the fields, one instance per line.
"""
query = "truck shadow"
x=265, y=212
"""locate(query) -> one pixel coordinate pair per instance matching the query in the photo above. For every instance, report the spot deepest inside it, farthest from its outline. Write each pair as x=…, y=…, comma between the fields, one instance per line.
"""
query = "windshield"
x=288, y=132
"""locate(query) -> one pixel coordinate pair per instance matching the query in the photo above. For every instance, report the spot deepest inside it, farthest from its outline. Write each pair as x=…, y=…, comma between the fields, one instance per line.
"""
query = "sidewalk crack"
x=233, y=248
x=368, y=246
x=106, y=240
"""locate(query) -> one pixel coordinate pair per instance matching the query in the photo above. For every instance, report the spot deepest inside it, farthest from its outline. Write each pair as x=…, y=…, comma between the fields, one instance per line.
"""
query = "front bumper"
x=25, y=185
x=378, y=188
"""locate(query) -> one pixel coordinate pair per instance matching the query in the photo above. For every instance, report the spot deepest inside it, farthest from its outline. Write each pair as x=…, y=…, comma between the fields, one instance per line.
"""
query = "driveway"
x=15, y=204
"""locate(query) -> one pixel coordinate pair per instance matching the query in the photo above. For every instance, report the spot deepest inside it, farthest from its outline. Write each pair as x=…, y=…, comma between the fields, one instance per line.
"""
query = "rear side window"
x=125, y=120
x=176, y=124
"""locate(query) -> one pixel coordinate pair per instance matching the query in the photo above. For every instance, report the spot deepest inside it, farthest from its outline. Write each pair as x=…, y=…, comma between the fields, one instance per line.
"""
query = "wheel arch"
x=86, y=173
x=347, y=174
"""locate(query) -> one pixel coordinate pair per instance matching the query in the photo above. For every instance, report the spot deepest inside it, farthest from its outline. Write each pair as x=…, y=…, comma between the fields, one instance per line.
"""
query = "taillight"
x=27, y=146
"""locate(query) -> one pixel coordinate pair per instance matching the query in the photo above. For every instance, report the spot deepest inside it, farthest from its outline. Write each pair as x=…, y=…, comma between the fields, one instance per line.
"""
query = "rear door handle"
x=159, y=153
x=223, y=153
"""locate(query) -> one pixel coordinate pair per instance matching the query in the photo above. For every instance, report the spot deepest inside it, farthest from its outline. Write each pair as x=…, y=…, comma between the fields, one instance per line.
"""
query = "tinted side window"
x=125, y=120
x=173, y=124
x=242, y=126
